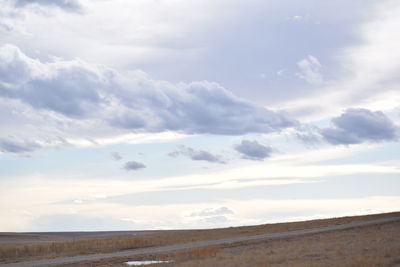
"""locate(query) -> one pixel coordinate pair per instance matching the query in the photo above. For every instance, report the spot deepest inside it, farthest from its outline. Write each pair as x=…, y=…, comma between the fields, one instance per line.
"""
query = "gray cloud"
x=133, y=166
x=308, y=134
x=66, y=5
x=79, y=91
x=70, y=88
x=8, y=18
x=198, y=107
x=196, y=154
x=5, y=26
x=115, y=156
x=356, y=126
x=17, y=146
x=253, y=150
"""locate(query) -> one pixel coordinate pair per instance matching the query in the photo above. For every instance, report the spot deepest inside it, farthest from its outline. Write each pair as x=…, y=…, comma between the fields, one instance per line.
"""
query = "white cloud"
x=114, y=137
x=209, y=212
x=296, y=18
x=369, y=70
x=20, y=205
x=49, y=102
x=21, y=209
x=284, y=209
x=143, y=31
x=65, y=5
x=280, y=72
x=310, y=70
x=8, y=18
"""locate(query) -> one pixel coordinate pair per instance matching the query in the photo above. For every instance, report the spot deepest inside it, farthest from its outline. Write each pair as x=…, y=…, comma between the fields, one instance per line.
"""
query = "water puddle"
x=137, y=263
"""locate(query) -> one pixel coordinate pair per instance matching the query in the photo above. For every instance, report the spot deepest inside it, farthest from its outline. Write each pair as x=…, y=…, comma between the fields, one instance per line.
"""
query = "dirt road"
x=197, y=244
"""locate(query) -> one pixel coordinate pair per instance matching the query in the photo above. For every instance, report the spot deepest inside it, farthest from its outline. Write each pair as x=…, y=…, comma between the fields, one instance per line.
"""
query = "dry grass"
x=196, y=254
x=377, y=245
x=17, y=252
x=367, y=246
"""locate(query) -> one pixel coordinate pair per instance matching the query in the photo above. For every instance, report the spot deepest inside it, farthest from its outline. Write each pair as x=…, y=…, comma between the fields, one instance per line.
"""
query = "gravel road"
x=196, y=244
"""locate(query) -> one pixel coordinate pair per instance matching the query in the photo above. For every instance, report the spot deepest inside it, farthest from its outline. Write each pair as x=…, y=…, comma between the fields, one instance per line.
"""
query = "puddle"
x=136, y=263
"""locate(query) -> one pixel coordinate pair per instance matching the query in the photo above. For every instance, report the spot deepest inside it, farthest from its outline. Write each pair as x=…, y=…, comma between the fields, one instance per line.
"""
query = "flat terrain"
x=45, y=237
x=235, y=246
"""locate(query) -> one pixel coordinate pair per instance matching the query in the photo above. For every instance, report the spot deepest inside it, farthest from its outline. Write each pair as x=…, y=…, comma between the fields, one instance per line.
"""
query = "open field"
x=377, y=245
x=45, y=237
x=386, y=235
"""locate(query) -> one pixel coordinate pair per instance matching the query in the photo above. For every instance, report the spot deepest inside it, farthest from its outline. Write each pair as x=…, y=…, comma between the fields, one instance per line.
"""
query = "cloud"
x=296, y=18
x=5, y=26
x=75, y=222
x=70, y=88
x=14, y=13
x=356, y=126
x=310, y=70
x=280, y=72
x=212, y=212
x=253, y=150
x=308, y=134
x=196, y=154
x=66, y=5
x=197, y=107
x=77, y=91
x=133, y=166
x=366, y=73
x=216, y=219
x=8, y=17
x=213, y=215
x=115, y=156
x=17, y=146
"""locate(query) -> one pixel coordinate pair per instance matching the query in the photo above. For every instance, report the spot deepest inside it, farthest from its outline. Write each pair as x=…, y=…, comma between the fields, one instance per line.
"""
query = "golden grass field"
x=377, y=245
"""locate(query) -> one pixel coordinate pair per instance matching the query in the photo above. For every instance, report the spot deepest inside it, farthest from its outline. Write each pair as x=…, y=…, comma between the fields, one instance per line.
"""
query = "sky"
x=181, y=114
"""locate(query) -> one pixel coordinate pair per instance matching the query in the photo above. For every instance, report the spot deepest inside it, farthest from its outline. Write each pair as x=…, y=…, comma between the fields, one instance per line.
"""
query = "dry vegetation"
x=17, y=252
x=369, y=246
x=377, y=245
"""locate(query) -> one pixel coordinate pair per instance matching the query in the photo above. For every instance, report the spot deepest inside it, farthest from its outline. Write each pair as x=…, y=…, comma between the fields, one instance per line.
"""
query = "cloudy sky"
x=160, y=114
